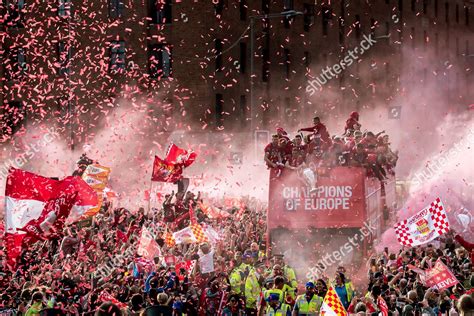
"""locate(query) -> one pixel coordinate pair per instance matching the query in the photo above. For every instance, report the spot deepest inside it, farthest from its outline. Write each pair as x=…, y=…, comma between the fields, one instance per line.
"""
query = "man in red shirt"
x=273, y=156
x=467, y=245
x=352, y=121
x=318, y=128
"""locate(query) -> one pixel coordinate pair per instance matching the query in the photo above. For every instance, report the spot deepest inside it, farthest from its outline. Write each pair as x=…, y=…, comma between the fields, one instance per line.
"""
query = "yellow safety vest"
x=288, y=290
x=349, y=290
x=252, y=291
x=290, y=275
x=281, y=311
x=235, y=281
x=275, y=291
x=311, y=308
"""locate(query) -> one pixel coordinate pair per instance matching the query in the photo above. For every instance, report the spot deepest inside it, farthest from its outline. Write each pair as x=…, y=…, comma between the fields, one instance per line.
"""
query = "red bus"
x=308, y=225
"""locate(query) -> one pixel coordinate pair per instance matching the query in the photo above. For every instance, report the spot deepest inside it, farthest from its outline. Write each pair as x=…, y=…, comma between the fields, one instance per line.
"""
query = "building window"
x=266, y=59
x=219, y=110
x=413, y=5
x=16, y=66
x=327, y=16
x=218, y=7
x=243, y=109
x=457, y=13
x=65, y=8
x=243, y=10
x=21, y=60
x=14, y=117
x=160, y=61
x=436, y=8
x=64, y=57
x=243, y=57
x=117, y=56
x=357, y=26
x=116, y=8
x=466, y=13
x=342, y=23
x=160, y=11
x=62, y=109
x=425, y=6
x=308, y=16
x=14, y=16
x=218, y=52
x=288, y=6
x=266, y=6
x=286, y=56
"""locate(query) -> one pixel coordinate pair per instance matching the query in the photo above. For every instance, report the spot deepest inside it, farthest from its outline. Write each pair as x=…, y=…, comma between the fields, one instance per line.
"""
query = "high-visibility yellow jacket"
x=236, y=282
x=252, y=290
x=283, y=310
x=350, y=291
x=280, y=293
x=290, y=275
x=304, y=308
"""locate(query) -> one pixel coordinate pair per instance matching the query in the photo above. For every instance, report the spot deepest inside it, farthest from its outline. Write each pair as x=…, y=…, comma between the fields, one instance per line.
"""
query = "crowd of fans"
x=59, y=277
x=319, y=151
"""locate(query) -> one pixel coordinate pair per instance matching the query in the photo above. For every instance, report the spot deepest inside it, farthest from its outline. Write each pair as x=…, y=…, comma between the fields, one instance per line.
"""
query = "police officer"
x=277, y=288
x=309, y=303
x=277, y=308
x=288, y=272
x=253, y=290
x=239, y=273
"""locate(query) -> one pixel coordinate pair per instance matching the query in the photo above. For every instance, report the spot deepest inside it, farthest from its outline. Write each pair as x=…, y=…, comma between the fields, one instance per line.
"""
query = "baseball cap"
x=273, y=297
x=309, y=284
x=247, y=254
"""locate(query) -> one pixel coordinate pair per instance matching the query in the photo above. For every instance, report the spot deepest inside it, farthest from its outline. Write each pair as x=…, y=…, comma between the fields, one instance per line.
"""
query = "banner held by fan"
x=97, y=177
x=423, y=227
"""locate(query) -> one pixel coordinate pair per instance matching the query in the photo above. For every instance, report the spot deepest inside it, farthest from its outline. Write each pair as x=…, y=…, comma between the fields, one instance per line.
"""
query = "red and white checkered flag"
x=332, y=305
x=426, y=225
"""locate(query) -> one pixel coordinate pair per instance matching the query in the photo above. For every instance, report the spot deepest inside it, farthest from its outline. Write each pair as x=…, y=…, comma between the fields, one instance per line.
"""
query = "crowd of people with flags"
x=317, y=151
x=227, y=272
x=68, y=252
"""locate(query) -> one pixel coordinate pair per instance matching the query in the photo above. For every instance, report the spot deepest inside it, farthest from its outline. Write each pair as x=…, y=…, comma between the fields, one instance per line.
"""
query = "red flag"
x=180, y=156
x=105, y=296
x=440, y=277
x=165, y=171
x=121, y=236
x=148, y=247
x=382, y=305
x=188, y=266
x=38, y=205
